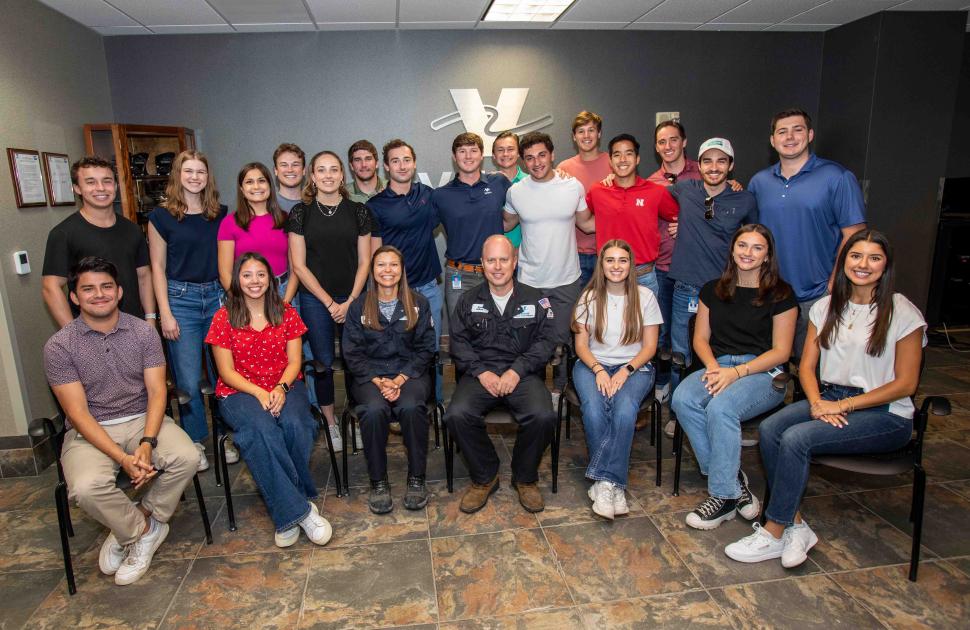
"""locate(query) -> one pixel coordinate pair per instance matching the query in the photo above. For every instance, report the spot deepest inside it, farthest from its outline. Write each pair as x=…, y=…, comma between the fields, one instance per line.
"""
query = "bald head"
x=499, y=259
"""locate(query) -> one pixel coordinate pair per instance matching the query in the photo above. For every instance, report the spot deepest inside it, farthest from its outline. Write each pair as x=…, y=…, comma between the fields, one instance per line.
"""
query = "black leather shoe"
x=379, y=500
x=417, y=495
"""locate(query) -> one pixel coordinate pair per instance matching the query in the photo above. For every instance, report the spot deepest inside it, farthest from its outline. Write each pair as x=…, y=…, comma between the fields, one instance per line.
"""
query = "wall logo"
x=490, y=120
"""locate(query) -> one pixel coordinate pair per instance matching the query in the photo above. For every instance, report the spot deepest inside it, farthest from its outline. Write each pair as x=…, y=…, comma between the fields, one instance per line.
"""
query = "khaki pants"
x=90, y=476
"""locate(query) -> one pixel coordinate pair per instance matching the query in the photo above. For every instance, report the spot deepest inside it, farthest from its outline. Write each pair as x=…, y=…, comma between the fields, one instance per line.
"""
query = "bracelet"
x=597, y=365
x=747, y=369
x=329, y=306
x=151, y=316
x=737, y=371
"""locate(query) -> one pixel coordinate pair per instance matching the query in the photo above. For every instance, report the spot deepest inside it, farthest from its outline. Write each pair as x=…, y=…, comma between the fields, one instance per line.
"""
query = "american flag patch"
x=544, y=303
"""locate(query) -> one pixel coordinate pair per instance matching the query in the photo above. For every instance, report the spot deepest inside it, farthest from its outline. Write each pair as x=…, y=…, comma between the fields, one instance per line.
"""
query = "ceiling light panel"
x=526, y=10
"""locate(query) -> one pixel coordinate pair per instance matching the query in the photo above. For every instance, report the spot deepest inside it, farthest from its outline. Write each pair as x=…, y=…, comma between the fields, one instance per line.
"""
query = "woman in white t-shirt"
x=616, y=325
x=867, y=342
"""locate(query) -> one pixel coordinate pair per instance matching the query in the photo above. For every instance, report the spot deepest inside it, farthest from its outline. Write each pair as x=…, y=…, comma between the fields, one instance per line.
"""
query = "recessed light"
x=525, y=10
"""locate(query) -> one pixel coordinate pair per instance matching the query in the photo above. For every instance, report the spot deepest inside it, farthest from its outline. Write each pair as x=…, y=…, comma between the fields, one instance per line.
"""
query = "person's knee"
x=86, y=487
x=723, y=411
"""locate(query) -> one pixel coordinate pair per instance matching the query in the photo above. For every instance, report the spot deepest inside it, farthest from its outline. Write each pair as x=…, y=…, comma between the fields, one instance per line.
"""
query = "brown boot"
x=529, y=496
x=477, y=495
x=643, y=419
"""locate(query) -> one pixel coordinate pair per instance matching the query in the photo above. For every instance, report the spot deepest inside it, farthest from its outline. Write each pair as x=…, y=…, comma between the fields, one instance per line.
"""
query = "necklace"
x=325, y=210
x=854, y=315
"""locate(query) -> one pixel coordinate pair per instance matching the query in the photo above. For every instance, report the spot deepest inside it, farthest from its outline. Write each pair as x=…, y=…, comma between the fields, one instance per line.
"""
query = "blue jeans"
x=664, y=298
x=587, y=265
x=713, y=423
x=321, y=333
x=277, y=451
x=193, y=305
x=680, y=315
x=436, y=297
x=609, y=422
x=307, y=352
x=791, y=437
x=649, y=280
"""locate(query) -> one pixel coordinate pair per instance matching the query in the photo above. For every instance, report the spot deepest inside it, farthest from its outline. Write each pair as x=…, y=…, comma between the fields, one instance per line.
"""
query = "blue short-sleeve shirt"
x=471, y=214
x=806, y=214
x=407, y=222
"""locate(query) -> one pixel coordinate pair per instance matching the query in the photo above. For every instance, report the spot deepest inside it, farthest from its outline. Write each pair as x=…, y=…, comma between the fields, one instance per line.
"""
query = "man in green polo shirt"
x=362, y=158
x=505, y=155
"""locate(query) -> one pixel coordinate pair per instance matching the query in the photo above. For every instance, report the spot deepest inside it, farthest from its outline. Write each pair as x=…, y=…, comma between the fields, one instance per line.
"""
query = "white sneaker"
x=756, y=547
x=748, y=505
x=595, y=489
x=232, y=453
x=798, y=539
x=111, y=555
x=203, y=461
x=555, y=400
x=358, y=439
x=316, y=528
x=620, y=506
x=288, y=537
x=663, y=394
x=140, y=553
x=669, y=429
x=749, y=441
x=603, y=504
x=338, y=444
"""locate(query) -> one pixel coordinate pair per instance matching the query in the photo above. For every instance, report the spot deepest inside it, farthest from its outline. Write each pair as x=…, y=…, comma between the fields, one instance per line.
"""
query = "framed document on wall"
x=28, y=178
x=57, y=170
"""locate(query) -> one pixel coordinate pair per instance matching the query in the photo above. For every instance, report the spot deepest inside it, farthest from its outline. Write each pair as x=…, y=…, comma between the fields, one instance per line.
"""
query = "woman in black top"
x=743, y=332
x=388, y=344
x=329, y=238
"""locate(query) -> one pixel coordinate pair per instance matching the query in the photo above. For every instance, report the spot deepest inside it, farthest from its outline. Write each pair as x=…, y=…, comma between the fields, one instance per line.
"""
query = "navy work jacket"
x=370, y=353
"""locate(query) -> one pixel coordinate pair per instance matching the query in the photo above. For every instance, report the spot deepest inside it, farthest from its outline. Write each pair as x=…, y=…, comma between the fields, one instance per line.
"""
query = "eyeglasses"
x=671, y=177
x=709, y=208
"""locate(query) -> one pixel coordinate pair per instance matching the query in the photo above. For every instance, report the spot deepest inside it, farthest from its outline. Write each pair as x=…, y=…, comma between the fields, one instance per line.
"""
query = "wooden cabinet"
x=137, y=192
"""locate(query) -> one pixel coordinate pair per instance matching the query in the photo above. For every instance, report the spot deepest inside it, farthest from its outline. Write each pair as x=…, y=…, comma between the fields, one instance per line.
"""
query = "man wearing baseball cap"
x=710, y=213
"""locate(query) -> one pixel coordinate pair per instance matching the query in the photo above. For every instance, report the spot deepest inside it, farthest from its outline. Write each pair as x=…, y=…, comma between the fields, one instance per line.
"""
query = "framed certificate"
x=57, y=170
x=28, y=177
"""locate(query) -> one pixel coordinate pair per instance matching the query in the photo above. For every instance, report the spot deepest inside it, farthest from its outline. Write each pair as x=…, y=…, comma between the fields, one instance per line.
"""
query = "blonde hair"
x=594, y=298
x=175, y=197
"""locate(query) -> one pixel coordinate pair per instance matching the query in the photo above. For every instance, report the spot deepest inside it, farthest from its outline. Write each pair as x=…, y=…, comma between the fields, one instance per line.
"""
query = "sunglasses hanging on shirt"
x=709, y=208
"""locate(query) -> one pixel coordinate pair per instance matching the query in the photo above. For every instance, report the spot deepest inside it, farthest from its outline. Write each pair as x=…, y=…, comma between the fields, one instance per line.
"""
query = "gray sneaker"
x=417, y=494
x=380, y=501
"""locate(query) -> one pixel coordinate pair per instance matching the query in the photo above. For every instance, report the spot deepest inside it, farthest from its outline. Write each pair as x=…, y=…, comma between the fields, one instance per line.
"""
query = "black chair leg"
x=216, y=434
x=344, y=421
x=678, y=445
x=449, y=458
x=556, y=440
x=764, y=505
x=655, y=438
x=919, y=493
x=63, y=524
x=227, y=490
x=334, y=471
x=436, y=415
x=205, y=513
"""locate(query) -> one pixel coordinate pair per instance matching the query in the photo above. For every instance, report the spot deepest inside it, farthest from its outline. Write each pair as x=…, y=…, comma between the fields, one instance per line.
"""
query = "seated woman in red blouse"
x=256, y=342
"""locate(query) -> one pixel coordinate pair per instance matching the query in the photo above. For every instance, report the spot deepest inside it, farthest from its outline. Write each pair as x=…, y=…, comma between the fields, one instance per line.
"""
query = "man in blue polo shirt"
x=811, y=205
x=470, y=209
x=406, y=219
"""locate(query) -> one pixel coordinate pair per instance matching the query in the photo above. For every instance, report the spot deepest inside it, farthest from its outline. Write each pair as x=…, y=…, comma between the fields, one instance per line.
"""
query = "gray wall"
x=53, y=79
x=246, y=93
x=958, y=164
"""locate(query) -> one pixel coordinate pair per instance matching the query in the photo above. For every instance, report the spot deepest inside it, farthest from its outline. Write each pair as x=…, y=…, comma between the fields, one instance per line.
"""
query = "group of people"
x=583, y=254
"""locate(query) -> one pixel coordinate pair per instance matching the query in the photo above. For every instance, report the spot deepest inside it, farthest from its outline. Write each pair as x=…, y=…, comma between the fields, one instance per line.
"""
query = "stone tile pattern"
x=505, y=568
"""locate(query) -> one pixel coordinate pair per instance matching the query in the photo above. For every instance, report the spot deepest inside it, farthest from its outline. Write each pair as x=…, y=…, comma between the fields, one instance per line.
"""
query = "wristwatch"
x=630, y=368
x=284, y=387
x=151, y=441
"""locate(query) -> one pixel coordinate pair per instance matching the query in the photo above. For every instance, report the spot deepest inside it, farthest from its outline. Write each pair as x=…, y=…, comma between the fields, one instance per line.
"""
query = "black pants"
x=531, y=406
x=375, y=413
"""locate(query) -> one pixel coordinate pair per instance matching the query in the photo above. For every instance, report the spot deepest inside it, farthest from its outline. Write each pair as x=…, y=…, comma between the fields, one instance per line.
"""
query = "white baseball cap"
x=722, y=144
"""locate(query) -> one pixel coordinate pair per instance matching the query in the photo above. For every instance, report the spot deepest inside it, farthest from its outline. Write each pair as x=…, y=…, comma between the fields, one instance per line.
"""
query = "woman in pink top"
x=256, y=226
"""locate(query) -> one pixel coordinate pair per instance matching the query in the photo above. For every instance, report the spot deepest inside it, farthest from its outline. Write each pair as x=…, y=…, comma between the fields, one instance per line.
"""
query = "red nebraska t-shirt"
x=259, y=356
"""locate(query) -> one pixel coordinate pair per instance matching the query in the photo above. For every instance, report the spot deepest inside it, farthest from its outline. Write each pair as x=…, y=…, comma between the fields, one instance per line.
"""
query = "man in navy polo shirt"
x=812, y=206
x=406, y=219
x=470, y=209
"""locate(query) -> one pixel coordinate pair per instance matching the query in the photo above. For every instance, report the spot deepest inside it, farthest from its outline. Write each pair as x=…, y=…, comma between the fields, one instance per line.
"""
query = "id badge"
x=692, y=304
x=456, y=281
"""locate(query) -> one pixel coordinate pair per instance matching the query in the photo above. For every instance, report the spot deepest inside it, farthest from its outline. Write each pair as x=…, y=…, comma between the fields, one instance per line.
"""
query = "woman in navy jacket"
x=388, y=345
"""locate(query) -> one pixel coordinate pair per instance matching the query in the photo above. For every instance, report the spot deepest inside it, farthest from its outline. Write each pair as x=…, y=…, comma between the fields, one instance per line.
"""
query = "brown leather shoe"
x=529, y=496
x=477, y=495
x=643, y=419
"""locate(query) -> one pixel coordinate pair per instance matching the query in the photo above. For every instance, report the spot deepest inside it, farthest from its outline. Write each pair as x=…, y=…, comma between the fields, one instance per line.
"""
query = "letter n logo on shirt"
x=639, y=203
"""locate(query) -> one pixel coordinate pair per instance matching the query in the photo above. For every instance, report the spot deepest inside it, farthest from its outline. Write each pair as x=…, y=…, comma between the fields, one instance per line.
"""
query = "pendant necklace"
x=325, y=210
x=854, y=315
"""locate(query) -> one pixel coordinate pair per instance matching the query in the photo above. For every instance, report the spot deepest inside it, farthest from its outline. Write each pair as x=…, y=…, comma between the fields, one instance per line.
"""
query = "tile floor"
x=504, y=568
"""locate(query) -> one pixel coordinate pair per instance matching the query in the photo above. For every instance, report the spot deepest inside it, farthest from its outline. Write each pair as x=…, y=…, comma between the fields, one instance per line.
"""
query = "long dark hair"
x=771, y=288
x=882, y=296
x=236, y=302
x=310, y=189
x=371, y=312
x=244, y=211
x=595, y=294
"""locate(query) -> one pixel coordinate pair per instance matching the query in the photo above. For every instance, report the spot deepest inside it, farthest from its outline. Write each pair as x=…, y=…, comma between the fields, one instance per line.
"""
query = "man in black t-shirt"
x=96, y=230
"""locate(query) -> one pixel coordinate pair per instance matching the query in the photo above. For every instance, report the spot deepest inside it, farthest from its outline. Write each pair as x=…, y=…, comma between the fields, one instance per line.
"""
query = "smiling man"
x=589, y=166
x=710, y=213
x=811, y=205
x=288, y=167
x=505, y=155
x=97, y=230
x=501, y=340
x=367, y=182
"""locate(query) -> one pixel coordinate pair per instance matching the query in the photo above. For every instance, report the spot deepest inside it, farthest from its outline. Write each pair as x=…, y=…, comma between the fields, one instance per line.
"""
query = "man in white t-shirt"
x=548, y=208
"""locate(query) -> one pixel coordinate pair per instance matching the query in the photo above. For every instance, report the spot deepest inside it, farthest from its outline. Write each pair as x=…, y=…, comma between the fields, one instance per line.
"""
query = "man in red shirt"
x=630, y=207
x=589, y=166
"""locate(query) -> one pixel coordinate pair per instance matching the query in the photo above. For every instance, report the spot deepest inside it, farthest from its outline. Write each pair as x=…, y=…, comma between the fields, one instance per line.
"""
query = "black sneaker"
x=379, y=500
x=748, y=505
x=417, y=495
x=712, y=513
